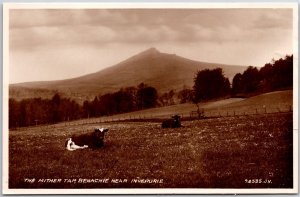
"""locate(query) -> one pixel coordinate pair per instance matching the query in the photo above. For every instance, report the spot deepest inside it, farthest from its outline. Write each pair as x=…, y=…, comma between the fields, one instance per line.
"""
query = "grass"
x=210, y=153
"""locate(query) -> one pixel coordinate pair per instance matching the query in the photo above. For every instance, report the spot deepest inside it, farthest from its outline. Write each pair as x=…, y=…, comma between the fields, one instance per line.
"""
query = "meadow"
x=221, y=152
x=243, y=151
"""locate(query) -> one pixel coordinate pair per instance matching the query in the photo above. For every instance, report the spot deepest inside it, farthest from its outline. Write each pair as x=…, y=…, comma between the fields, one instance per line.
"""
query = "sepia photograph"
x=152, y=98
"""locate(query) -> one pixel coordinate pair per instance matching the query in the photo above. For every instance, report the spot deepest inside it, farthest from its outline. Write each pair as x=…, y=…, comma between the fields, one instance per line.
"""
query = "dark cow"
x=172, y=123
x=93, y=139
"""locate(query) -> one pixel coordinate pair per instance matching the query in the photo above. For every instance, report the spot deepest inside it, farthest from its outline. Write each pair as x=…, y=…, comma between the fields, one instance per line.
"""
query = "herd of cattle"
x=95, y=139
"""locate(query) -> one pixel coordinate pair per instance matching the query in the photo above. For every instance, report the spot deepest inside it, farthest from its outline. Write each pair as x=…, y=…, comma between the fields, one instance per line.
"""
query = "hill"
x=160, y=70
x=271, y=102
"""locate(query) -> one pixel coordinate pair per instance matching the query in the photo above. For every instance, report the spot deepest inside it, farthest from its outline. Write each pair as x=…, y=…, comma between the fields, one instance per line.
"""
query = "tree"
x=107, y=104
x=170, y=97
x=124, y=101
x=147, y=96
x=94, y=110
x=14, y=113
x=132, y=93
x=267, y=77
x=209, y=84
x=55, y=102
x=273, y=76
x=237, y=86
x=86, y=109
x=37, y=111
x=23, y=113
x=167, y=98
x=69, y=110
x=283, y=73
x=185, y=95
x=250, y=80
x=227, y=88
x=75, y=110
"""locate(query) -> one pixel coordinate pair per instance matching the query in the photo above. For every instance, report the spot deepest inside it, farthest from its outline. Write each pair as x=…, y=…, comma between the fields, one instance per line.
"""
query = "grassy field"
x=249, y=151
x=253, y=151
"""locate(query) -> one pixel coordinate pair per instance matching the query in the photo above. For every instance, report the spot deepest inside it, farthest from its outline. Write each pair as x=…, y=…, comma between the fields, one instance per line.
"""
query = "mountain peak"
x=150, y=51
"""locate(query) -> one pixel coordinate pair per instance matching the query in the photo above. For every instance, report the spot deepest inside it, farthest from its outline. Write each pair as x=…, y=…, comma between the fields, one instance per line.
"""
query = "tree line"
x=208, y=84
x=125, y=100
x=35, y=111
x=272, y=76
x=212, y=84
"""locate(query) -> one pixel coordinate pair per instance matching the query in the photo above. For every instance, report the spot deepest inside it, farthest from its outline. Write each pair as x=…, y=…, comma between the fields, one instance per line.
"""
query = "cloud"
x=35, y=28
x=280, y=19
x=160, y=33
x=87, y=35
x=59, y=17
x=42, y=36
x=70, y=39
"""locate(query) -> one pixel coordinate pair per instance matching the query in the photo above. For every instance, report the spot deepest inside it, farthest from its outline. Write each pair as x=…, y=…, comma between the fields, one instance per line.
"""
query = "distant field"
x=272, y=102
x=228, y=152
x=280, y=101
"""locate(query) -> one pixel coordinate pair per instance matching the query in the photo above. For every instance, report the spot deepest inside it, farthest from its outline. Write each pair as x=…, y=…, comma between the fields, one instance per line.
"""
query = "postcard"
x=150, y=98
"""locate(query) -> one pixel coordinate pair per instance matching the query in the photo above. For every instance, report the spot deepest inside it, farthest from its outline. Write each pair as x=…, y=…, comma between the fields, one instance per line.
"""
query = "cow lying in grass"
x=93, y=139
x=172, y=123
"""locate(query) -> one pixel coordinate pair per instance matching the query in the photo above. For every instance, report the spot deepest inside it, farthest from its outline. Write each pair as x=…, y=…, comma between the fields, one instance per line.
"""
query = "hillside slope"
x=160, y=70
x=271, y=102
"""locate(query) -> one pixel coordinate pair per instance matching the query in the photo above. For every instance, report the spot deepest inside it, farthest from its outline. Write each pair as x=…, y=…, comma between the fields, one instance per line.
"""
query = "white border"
x=295, y=99
x=5, y=98
x=128, y=5
x=7, y=6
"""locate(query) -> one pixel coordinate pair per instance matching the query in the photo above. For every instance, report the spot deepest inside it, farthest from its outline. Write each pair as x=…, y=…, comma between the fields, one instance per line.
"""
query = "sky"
x=53, y=44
